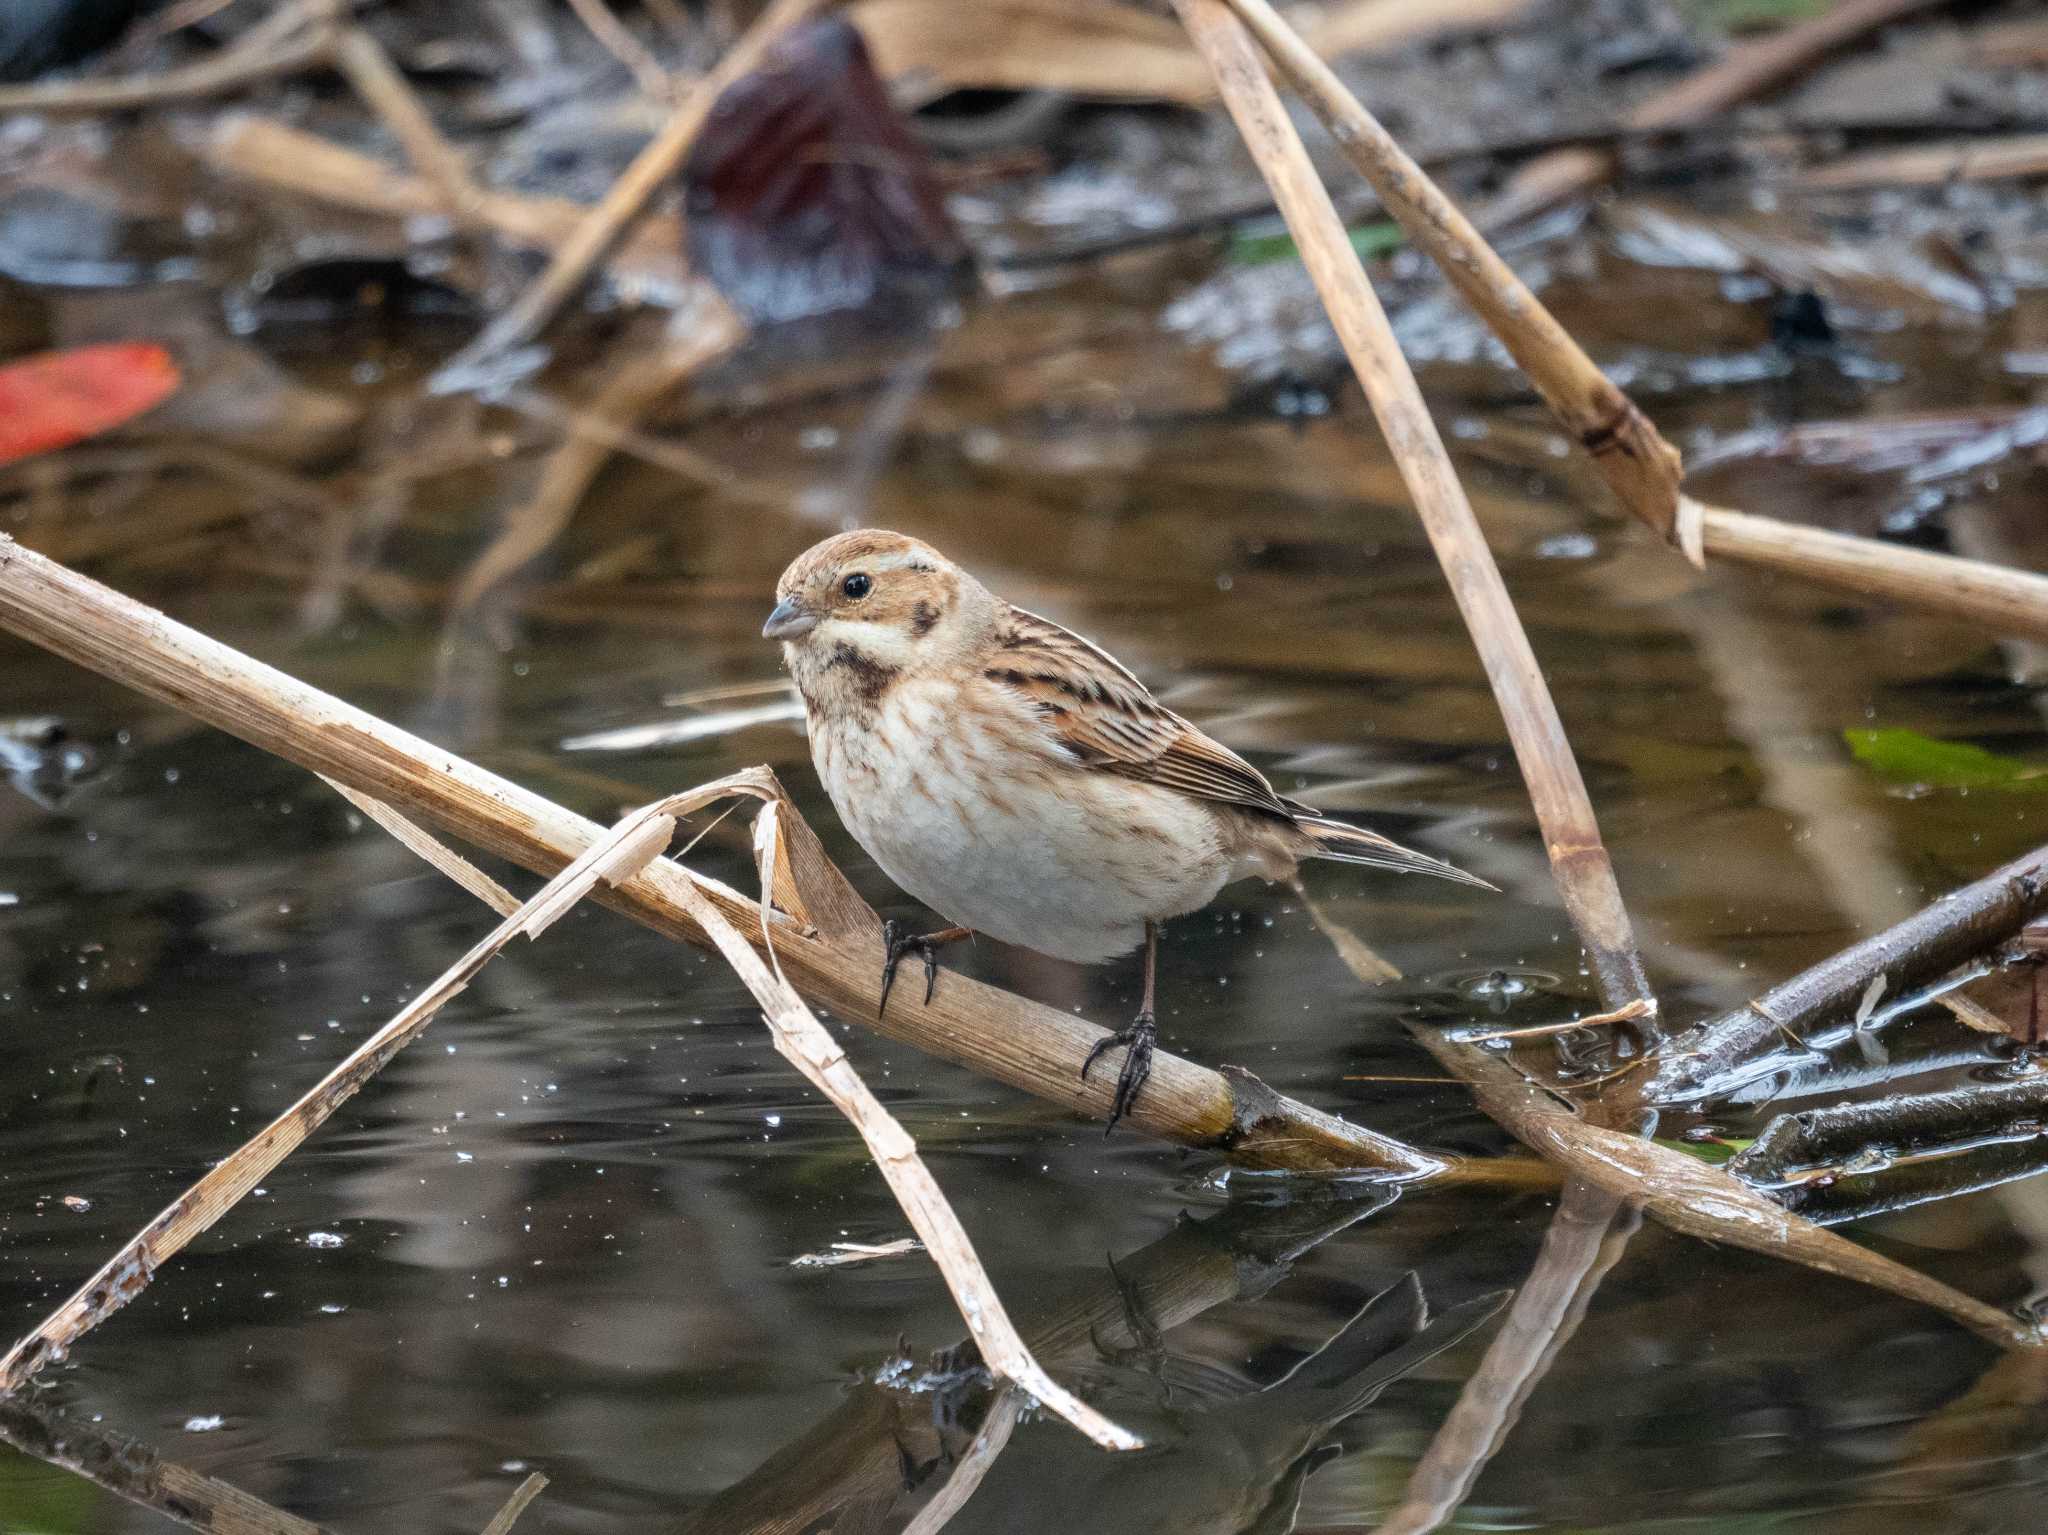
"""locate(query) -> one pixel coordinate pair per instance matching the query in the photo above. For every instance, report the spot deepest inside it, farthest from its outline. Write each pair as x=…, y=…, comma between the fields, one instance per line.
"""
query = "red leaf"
x=54, y=399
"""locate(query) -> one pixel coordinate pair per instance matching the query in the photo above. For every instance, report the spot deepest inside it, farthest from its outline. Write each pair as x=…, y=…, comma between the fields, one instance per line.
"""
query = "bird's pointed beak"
x=789, y=621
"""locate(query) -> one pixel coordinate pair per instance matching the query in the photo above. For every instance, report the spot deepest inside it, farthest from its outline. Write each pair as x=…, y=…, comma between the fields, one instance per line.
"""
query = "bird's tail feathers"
x=1354, y=844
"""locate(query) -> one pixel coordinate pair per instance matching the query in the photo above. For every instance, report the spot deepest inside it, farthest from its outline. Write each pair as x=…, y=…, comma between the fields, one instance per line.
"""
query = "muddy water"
x=559, y=1233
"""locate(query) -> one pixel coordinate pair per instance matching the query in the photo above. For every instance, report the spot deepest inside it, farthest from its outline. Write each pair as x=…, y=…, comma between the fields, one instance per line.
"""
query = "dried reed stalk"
x=1571, y=834
x=1641, y=467
x=2003, y=600
x=1688, y=1196
x=620, y=855
x=1709, y=1057
x=833, y=954
x=606, y=223
x=2017, y=157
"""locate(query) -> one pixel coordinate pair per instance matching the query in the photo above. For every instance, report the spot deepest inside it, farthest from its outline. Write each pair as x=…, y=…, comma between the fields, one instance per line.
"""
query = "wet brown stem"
x=1856, y=1159
x=1710, y=1057
x=1571, y=835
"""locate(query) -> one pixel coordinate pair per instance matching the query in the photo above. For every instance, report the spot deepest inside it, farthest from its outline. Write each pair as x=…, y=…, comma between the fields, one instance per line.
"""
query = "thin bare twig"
x=606, y=224
x=1571, y=834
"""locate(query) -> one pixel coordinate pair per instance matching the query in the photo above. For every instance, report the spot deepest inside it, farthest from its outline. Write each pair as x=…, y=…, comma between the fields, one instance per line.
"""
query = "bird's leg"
x=896, y=943
x=1137, y=1040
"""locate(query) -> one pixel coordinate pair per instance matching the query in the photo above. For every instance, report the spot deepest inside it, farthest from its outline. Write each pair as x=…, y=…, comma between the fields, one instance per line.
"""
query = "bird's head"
x=877, y=605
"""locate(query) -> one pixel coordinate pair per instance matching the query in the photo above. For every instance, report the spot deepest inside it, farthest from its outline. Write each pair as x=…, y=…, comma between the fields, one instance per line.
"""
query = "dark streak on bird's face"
x=878, y=596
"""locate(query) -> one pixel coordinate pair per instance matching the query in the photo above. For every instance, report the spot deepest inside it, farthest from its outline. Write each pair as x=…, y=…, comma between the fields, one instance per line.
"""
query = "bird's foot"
x=1137, y=1041
x=896, y=943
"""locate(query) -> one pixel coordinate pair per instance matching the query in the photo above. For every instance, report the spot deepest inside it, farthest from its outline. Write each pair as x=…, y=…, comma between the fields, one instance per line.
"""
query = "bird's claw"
x=895, y=944
x=1137, y=1041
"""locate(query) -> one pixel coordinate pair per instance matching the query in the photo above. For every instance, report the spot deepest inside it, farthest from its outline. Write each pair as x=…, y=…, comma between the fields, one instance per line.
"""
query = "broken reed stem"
x=516, y=1505
x=2004, y=600
x=1709, y=1058
x=810, y=1047
x=837, y=962
x=606, y=223
x=1743, y=73
x=1571, y=835
x=621, y=854
x=1640, y=466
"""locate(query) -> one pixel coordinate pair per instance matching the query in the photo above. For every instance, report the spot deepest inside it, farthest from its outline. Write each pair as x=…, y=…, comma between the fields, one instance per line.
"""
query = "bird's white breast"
x=964, y=802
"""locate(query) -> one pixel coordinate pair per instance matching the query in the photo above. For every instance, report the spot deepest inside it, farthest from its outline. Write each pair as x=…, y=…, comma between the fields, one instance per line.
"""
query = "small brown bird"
x=1017, y=780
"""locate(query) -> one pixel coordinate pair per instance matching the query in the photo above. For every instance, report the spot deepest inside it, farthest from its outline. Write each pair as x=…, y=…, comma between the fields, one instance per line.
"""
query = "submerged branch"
x=138, y=1474
x=1689, y=1196
x=1723, y=1053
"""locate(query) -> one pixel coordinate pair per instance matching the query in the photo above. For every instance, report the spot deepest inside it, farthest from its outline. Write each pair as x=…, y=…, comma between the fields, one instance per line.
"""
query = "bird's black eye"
x=856, y=586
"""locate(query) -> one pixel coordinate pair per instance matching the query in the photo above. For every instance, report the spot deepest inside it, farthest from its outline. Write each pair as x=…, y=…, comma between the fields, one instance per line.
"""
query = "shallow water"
x=558, y=1233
